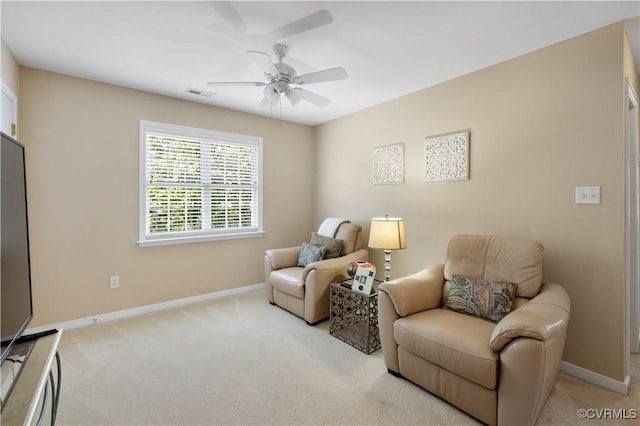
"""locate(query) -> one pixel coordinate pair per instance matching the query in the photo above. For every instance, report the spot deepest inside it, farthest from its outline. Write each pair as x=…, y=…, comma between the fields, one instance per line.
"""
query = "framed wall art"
x=388, y=164
x=446, y=157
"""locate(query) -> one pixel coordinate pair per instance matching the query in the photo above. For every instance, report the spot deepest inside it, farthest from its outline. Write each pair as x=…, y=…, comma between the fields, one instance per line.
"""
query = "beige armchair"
x=500, y=371
x=304, y=290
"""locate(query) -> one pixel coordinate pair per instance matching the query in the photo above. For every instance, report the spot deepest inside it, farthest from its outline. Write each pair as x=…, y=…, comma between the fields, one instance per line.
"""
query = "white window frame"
x=146, y=239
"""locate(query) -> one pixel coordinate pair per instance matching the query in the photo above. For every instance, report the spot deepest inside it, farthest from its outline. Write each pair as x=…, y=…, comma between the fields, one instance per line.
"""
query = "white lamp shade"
x=387, y=233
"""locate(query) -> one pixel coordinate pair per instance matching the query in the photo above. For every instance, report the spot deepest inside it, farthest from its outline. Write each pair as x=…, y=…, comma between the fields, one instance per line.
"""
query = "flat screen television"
x=15, y=264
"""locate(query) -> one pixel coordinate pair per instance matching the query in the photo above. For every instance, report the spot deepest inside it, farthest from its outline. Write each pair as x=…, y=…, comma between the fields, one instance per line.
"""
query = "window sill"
x=198, y=239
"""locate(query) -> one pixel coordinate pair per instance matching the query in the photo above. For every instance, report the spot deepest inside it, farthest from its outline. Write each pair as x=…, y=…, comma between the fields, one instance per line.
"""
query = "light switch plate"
x=587, y=195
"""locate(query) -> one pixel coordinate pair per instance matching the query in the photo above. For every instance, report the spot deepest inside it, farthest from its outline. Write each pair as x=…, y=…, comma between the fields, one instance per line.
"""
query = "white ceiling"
x=388, y=48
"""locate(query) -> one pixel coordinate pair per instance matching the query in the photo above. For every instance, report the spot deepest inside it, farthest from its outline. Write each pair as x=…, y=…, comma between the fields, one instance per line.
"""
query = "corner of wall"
x=10, y=69
x=631, y=61
x=632, y=37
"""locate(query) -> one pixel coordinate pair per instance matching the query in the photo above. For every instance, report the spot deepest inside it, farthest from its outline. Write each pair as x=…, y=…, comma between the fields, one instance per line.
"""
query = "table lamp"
x=387, y=233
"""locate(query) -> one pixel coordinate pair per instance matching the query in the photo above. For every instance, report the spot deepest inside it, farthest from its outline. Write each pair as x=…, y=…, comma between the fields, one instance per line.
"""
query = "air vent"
x=199, y=92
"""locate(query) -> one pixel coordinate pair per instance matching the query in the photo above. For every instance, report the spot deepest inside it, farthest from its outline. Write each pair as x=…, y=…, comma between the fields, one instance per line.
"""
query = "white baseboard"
x=110, y=316
x=597, y=379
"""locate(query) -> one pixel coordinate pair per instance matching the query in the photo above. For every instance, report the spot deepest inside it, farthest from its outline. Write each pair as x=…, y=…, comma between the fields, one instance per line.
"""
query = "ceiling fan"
x=281, y=76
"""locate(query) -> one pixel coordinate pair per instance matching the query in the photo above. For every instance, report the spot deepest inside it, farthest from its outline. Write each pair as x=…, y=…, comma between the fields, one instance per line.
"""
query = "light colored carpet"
x=241, y=361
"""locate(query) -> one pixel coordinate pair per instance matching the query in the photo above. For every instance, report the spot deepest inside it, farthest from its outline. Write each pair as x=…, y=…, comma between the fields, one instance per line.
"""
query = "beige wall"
x=82, y=166
x=540, y=124
x=10, y=70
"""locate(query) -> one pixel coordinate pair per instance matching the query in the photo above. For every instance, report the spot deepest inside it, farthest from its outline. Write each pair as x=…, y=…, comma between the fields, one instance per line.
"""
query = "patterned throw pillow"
x=310, y=253
x=332, y=245
x=486, y=299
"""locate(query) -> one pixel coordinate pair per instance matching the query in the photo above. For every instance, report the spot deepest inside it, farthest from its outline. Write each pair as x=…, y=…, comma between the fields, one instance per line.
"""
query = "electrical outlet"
x=114, y=282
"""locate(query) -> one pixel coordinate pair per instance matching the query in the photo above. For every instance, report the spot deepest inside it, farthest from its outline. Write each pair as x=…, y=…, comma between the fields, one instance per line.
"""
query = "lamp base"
x=387, y=265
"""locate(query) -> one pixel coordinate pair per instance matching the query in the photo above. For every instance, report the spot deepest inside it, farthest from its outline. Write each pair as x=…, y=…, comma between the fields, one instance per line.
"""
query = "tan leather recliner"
x=501, y=373
x=304, y=291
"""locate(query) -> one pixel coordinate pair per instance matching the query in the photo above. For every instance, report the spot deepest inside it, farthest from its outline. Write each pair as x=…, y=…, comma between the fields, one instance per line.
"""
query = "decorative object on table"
x=352, y=268
x=387, y=233
x=388, y=164
x=363, y=280
x=447, y=157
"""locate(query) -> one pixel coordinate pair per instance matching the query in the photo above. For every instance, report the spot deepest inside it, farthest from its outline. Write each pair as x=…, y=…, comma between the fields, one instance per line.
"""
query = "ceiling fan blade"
x=315, y=20
x=311, y=97
x=265, y=62
x=236, y=83
x=294, y=96
x=331, y=74
x=229, y=13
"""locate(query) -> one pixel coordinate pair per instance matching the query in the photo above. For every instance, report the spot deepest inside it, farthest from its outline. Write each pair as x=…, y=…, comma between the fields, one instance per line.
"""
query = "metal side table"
x=354, y=316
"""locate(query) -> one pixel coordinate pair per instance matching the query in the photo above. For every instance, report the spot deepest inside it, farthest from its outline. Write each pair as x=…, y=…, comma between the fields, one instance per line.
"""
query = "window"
x=198, y=185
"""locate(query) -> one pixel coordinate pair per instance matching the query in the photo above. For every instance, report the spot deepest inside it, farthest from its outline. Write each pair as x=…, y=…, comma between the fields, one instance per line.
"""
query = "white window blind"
x=198, y=184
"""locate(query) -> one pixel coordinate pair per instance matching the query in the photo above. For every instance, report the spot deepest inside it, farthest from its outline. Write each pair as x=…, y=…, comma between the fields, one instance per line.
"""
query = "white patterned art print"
x=447, y=157
x=388, y=164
